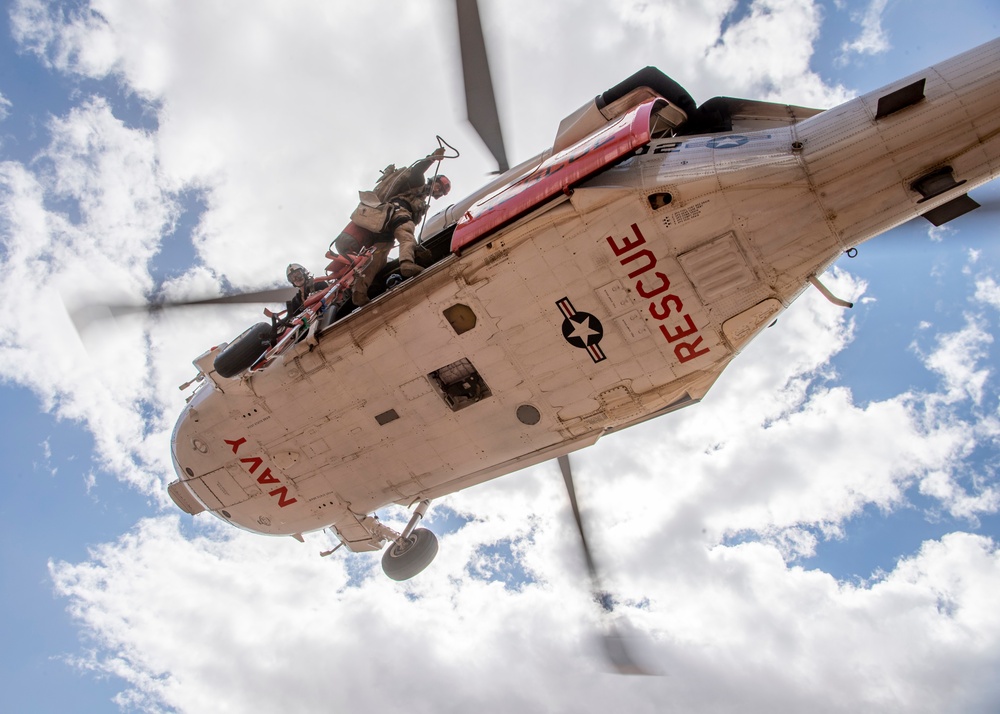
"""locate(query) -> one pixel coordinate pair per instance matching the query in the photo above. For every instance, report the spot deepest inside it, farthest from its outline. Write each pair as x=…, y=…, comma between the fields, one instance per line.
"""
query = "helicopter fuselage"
x=617, y=298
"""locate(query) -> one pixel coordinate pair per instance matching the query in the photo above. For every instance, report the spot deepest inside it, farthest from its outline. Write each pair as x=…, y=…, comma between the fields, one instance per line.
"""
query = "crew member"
x=408, y=193
x=303, y=280
x=352, y=239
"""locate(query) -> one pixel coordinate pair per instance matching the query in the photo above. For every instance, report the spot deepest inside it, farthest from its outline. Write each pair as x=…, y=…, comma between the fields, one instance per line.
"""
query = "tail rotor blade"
x=480, y=100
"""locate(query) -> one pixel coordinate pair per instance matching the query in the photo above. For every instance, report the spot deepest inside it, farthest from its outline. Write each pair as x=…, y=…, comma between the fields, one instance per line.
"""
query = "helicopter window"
x=459, y=384
x=659, y=200
x=461, y=318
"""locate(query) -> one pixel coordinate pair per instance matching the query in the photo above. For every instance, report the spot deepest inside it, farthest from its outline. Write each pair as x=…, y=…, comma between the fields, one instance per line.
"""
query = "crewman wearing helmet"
x=408, y=193
x=302, y=279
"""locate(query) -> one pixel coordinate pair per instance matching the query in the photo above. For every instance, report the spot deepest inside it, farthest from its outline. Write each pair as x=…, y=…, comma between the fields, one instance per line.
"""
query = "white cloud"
x=736, y=629
x=767, y=54
x=75, y=39
x=956, y=357
x=46, y=463
x=775, y=451
x=276, y=114
x=939, y=233
x=85, y=225
x=873, y=39
x=988, y=291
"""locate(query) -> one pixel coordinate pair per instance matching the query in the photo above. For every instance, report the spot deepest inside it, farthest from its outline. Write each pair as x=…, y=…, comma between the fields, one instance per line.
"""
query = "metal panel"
x=717, y=269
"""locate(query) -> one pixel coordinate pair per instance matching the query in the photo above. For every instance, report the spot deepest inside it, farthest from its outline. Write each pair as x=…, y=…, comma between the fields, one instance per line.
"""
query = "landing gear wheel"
x=403, y=562
x=242, y=352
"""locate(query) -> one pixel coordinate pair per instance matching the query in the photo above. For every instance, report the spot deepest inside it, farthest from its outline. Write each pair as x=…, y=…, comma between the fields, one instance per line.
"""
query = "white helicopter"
x=606, y=281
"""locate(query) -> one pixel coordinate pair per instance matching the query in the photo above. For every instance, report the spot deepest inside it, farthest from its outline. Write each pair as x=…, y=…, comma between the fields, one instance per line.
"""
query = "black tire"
x=402, y=563
x=242, y=352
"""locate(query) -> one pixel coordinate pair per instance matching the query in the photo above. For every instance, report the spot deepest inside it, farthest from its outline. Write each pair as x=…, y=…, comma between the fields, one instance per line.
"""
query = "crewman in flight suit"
x=408, y=193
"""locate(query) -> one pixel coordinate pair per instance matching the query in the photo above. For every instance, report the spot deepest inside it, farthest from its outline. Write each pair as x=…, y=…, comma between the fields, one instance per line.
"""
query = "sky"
x=820, y=533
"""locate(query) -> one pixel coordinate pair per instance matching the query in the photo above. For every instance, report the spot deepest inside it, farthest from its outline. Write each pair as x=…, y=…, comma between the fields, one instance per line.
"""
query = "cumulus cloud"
x=988, y=291
x=96, y=171
x=74, y=39
x=262, y=624
x=766, y=54
x=275, y=115
x=873, y=39
x=776, y=451
x=956, y=357
x=82, y=224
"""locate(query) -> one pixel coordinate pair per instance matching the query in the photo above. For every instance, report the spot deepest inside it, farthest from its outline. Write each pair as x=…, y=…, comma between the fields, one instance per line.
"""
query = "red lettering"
x=627, y=244
x=266, y=477
x=666, y=305
x=681, y=332
x=678, y=306
x=686, y=351
x=282, y=494
x=644, y=253
x=664, y=284
x=255, y=460
x=236, y=444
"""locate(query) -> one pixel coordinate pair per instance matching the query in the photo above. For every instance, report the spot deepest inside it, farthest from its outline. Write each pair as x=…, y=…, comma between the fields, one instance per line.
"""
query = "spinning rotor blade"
x=614, y=643
x=259, y=296
x=480, y=100
x=83, y=316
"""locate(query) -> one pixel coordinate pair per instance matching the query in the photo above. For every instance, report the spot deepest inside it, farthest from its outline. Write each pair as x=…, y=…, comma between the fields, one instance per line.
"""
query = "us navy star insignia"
x=582, y=330
x=731, y=141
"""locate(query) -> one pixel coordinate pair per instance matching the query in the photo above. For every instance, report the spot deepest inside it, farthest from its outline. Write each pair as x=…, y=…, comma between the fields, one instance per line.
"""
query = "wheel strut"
x=411, y=551
x=400, y=539
x=418, y=514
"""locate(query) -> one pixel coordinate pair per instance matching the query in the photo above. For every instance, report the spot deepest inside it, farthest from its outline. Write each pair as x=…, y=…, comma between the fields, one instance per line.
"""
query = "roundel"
x=727, y=142
x=582, y=330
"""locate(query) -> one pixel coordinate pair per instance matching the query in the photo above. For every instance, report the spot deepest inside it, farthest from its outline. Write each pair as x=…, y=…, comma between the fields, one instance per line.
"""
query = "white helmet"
x=294, y=272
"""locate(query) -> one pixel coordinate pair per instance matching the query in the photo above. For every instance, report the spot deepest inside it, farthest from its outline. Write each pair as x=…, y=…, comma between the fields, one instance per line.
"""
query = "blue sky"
x=200, y=145
x=50, y=512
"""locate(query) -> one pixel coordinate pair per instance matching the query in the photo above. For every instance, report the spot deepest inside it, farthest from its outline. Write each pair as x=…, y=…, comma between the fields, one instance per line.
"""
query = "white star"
x=583, y=329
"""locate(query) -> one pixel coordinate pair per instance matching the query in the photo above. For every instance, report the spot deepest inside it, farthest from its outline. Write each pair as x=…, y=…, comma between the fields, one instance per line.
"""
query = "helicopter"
x=607, y=281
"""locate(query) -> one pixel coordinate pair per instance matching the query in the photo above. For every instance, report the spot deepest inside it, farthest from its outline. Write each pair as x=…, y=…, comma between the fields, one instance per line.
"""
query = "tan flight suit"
x=411, y=206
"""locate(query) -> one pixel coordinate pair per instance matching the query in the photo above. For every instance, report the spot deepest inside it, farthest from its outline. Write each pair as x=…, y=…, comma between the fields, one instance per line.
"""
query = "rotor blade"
x=613, y=641
x=567, y=474
x=258, y=296
x=84, y=315
x=480, y=100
